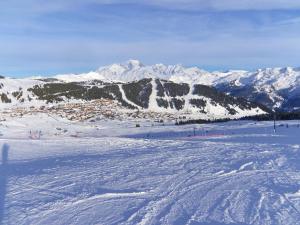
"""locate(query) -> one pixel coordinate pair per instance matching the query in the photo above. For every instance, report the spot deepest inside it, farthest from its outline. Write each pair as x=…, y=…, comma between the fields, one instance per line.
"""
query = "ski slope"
x=111, y=172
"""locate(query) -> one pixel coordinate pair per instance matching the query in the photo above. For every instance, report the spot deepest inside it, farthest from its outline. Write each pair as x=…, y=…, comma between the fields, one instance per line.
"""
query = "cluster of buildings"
x=91, y=111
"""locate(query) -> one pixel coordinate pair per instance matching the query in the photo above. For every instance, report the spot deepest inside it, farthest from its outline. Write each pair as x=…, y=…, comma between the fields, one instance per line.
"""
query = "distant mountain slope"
x=163, y=88
x=147, y=94
x=15, y=91
x=275, y=88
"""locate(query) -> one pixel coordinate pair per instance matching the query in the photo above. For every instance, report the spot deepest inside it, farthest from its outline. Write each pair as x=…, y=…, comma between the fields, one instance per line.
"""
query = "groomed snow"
x=111, y=172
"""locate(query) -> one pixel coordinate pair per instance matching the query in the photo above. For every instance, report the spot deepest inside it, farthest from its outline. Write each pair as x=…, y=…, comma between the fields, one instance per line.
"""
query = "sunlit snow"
x=112, y=172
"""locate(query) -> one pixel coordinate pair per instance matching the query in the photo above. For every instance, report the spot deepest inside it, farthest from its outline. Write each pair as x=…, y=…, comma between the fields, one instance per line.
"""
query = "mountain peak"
x=133, y=63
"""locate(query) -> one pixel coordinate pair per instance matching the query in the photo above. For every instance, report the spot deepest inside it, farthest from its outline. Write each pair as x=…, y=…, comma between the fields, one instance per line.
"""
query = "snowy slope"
x=113, y=173
x=15, y=92
x=276, y=88
x=149, y=95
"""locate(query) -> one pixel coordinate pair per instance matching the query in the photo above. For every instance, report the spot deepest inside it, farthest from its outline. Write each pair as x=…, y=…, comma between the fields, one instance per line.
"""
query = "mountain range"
x=276, y=88
x=165, y=88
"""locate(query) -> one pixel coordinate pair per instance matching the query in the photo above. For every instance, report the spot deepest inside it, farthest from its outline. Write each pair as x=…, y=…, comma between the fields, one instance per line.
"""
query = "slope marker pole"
x=274, y=117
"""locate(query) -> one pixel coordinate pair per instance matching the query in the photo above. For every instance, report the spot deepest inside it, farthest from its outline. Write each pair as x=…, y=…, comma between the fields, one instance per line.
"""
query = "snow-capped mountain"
x=274, y=87
x=134, y=70
x=165, y=88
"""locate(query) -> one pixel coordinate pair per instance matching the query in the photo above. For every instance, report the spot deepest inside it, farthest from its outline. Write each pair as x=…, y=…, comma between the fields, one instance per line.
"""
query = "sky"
x=39, y=37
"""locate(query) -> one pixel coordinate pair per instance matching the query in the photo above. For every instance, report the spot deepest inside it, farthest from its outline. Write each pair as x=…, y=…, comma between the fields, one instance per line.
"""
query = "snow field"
x=235, y=173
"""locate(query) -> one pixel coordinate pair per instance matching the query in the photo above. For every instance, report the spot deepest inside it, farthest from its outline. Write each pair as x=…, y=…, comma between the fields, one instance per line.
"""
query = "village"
x=100, y=109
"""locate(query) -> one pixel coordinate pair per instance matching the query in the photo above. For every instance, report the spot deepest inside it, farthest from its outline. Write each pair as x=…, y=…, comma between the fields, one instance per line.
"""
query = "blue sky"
x=40, y=37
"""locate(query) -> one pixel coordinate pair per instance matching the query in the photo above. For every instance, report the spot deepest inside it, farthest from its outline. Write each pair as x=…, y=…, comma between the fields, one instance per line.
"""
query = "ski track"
x=117, y=180
x=125, y=97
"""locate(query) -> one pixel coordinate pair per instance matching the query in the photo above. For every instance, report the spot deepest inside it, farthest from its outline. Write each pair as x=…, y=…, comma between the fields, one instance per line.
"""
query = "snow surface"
x=110, y=172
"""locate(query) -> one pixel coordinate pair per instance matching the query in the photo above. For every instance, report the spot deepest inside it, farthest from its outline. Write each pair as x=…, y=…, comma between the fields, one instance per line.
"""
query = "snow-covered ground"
x=111, y=172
